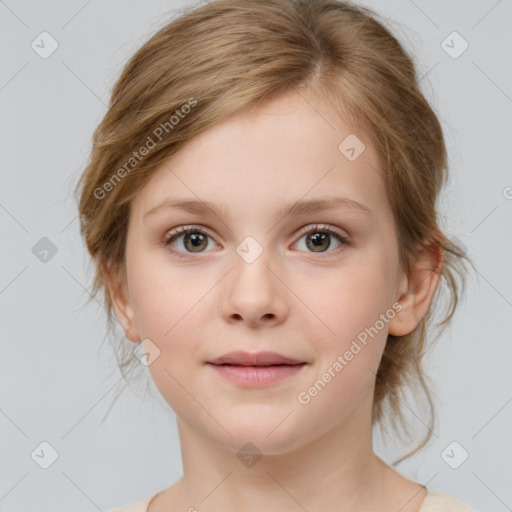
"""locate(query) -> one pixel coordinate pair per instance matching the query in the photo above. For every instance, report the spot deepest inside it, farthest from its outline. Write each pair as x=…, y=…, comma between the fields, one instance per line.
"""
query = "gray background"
x=56, y=380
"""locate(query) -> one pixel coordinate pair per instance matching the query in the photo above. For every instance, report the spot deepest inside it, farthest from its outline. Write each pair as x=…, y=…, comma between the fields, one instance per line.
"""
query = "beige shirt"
x=434, y=501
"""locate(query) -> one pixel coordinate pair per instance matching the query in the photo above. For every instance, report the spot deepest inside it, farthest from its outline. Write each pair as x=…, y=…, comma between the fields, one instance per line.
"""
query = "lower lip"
x=256, y=376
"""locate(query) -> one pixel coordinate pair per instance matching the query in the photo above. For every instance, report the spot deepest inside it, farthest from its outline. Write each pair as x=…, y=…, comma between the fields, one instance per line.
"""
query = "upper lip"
x=242, y=358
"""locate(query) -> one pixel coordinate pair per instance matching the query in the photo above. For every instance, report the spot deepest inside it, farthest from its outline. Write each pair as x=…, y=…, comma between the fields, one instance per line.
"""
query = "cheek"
x=171, y=306
x=164, y=296
x=171, y=314
x=347, y=300
x=348, y=359
x=350, y=306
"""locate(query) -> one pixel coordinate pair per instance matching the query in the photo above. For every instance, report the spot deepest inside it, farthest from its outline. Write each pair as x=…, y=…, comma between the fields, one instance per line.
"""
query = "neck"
x=338, y=467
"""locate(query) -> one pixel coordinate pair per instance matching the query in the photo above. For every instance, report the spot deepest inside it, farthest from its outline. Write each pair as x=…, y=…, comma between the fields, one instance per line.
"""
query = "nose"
x=255, y=294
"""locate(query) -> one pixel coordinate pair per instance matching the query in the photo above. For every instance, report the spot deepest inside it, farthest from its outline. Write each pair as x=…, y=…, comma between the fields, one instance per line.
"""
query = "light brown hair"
x=229, y=55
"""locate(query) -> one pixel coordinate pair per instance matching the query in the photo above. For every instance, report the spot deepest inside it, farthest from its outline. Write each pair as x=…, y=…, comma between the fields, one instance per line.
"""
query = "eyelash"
x=316, y=228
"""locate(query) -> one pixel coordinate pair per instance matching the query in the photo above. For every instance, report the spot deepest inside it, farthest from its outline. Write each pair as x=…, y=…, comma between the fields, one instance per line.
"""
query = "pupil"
x=196, y=239
x=318, y=241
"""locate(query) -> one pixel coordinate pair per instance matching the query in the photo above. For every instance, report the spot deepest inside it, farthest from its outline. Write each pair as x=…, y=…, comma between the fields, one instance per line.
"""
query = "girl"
x=260, y=207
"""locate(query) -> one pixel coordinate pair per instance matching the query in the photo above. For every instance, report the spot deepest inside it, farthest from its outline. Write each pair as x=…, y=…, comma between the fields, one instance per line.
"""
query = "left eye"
x=318, y=239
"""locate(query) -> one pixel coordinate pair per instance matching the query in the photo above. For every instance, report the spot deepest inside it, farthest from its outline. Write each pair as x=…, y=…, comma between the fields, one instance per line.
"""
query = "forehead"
x=282, y=150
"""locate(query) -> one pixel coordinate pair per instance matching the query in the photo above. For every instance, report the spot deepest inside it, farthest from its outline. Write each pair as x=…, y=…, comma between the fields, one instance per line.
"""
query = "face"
x=250, y=277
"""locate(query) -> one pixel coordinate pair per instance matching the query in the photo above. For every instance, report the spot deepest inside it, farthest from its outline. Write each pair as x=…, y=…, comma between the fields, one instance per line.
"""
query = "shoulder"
x=139, y=506
x=438, y=501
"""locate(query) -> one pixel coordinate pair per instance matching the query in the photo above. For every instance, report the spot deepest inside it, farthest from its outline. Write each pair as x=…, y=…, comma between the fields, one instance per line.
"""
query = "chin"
x=270, y=436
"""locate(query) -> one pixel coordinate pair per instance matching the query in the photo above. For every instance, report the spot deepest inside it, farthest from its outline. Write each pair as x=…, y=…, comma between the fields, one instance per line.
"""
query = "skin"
x=292, y=300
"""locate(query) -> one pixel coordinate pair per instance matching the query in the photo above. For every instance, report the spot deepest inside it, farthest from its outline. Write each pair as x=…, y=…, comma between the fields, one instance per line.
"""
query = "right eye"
x=194, y=239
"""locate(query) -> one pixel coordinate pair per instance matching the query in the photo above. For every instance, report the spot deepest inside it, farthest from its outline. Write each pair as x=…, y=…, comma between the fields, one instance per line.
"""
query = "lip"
x=257, y=369
x=257, y=376
x=241, y=358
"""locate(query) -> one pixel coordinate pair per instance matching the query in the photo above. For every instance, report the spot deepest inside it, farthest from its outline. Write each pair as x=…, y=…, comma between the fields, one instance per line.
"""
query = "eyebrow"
x=299, y=207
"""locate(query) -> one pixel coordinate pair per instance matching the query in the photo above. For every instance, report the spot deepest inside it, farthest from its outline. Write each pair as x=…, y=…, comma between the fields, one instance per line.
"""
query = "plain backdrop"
x=57, y=376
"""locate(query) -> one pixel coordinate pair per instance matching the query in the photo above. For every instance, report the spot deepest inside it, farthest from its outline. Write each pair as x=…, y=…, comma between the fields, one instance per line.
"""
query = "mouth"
x=255, y=370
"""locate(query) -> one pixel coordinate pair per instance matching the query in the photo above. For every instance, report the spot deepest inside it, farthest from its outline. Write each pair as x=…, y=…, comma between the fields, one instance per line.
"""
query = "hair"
x=227, y=56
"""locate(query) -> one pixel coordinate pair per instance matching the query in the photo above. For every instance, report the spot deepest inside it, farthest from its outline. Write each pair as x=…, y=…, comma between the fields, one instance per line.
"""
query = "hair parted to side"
x=226, y=56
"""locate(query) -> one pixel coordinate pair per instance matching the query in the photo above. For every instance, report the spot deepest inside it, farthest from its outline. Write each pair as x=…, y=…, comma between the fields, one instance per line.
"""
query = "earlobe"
x=417, y=291
x=123, y=308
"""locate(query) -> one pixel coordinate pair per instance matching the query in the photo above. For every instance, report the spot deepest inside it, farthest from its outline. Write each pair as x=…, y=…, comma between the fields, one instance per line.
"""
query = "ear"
x=116, y=283
x=416, y=290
